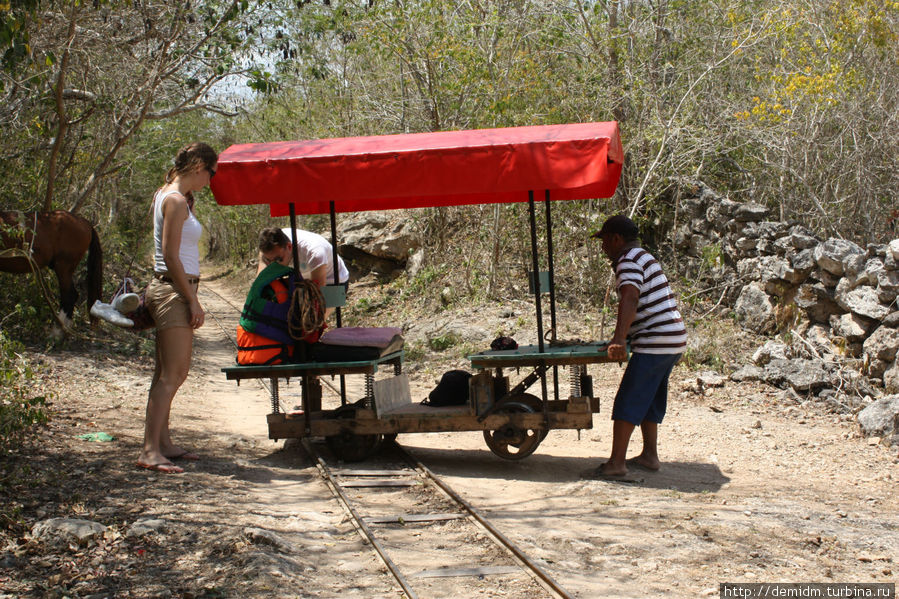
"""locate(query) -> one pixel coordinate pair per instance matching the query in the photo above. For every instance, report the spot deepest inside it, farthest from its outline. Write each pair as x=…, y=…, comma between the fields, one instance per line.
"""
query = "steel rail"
x=360, y=522
x=543, y=575
x=524, y=561
x=421, y=469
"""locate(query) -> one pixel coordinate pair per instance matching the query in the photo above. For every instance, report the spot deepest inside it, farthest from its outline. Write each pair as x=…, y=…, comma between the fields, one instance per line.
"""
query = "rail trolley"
x=333, y=176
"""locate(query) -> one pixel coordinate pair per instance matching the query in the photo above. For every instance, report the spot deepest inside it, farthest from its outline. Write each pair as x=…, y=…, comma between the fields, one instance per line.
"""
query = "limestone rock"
x=882, y=344
x=800, y=374
x=868, y=274
x=881, y=418
x=877, y=368
x=891, y=378
x=887, y=285
x=709, y=378
x=772, y=350
x=750, y=212
x=893, y=249
x=802, y=239
x=831, y=254
x=851, y=327
x=381, y=234
x=146, y=526
x=862, y=300
x=64, y=530
x=748, y=373
x=754, y=309
x=261, y=536
x=817, y=302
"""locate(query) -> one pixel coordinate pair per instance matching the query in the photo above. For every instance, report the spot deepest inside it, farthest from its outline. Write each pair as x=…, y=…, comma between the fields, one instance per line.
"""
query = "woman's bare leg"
x=173, y=351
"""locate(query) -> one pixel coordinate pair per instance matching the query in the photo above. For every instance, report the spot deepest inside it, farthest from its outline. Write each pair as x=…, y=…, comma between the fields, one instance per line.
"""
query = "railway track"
x=424, y=531
x=432, y=541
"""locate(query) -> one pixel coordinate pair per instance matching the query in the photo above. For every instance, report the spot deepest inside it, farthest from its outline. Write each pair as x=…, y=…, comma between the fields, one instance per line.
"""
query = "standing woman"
x=172, y=298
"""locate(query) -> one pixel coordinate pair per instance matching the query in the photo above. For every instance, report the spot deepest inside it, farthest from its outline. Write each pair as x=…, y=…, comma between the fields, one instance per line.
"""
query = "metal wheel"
x=510, y=442
x=531, y=401
x=348, y=446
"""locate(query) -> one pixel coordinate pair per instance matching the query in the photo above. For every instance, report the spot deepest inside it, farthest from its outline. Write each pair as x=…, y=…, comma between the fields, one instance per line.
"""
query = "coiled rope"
x=306, y=314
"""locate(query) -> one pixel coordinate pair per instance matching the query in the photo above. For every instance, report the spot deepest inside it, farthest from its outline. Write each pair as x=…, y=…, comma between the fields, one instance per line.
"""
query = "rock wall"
x=834, y=301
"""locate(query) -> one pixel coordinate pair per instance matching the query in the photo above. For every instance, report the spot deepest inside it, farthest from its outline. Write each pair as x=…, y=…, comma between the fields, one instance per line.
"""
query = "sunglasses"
x=211, y=172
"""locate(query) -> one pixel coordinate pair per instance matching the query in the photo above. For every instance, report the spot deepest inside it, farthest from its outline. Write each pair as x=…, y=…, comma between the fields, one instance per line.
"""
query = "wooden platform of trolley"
x=513, y=419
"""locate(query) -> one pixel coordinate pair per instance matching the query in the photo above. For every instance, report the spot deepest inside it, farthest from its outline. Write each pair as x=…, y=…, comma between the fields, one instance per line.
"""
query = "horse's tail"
x=94, y=271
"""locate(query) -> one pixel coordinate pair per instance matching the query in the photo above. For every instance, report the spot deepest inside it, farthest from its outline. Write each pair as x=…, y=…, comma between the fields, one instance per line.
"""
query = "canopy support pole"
x=532, y=213
x=552, y=289
x=293, y=240
x=333, y=212
x=536, y=266
x=299, y=347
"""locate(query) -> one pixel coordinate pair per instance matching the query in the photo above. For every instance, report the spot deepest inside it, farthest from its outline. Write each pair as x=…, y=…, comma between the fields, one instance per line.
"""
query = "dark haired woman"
x=172, y=297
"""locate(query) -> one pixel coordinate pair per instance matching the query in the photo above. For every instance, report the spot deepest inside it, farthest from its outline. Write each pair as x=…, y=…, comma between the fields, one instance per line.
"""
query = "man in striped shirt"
x=648, y=319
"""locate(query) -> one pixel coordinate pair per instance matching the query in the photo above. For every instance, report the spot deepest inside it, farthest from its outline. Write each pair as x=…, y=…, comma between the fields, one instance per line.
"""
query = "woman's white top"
x=189, y=253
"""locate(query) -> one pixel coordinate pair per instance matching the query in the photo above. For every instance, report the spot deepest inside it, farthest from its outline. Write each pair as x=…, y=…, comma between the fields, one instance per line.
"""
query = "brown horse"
x=57, y=239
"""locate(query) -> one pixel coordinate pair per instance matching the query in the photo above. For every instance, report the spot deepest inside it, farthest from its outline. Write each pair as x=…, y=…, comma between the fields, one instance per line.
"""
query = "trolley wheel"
x=531, y=401
x=510, y=442
x=350, y=447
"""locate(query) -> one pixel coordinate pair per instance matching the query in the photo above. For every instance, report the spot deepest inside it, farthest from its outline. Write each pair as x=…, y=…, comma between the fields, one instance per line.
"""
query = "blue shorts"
x=643, y=392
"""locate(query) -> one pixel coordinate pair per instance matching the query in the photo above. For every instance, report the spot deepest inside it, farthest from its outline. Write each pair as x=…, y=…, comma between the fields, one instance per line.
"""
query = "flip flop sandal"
x=187, y=455
x=164, y=467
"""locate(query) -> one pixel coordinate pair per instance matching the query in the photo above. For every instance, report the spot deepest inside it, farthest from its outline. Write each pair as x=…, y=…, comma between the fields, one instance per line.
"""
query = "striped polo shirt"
x=658, y=327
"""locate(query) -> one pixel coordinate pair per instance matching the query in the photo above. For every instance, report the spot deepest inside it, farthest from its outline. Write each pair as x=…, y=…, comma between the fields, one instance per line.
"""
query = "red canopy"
x=448, y=168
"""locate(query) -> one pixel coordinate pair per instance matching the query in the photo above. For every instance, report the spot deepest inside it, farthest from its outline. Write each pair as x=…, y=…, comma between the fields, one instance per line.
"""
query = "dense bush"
x=20, y=410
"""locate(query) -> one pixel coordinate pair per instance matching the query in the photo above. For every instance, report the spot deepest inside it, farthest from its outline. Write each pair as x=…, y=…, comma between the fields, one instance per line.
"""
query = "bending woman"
x=172, y=298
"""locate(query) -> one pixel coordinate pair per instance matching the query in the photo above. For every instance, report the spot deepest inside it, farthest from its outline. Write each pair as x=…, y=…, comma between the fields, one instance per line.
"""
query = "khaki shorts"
x=168, y=307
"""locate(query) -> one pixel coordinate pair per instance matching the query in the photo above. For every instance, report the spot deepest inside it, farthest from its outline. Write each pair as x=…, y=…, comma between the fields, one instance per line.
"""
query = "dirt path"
x=754, y=488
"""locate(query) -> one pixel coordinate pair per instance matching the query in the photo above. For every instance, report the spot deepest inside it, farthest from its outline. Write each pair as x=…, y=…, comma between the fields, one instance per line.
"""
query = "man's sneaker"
x=126, y=303
x=110, y=314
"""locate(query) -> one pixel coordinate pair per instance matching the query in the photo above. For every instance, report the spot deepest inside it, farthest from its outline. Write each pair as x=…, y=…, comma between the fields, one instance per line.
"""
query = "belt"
x=168, y=279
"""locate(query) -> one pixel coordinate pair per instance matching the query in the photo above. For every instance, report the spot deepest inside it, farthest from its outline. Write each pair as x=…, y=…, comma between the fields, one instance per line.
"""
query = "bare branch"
x=62, y=118
x=78, y=94
x=190, y=108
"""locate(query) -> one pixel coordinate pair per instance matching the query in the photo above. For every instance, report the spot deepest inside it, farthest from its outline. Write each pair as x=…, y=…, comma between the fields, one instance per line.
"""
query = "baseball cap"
x=619, y=224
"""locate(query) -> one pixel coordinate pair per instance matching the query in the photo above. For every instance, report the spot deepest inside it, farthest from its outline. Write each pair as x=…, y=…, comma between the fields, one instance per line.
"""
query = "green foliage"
x=424, y=282
x=26, y=315
x=20, y=409
x=415, y=351
x=760, y=100
x=712, y=256
x=14, y=33
x=444, y=342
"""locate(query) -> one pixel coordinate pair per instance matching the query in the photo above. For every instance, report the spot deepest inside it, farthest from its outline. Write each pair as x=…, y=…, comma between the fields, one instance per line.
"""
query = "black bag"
x=452, y=390
x=503, y=343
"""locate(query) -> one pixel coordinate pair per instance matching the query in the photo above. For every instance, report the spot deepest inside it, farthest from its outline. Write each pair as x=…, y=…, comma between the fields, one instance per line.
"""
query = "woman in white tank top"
x=172, y=298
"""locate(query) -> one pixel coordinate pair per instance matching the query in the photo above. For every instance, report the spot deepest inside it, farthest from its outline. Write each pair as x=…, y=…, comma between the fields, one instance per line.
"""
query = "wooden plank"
x=530, y=355
x=379, y=482
x=404, y=518
x=283, y=428
x=477, y=571
x=310, y=368
x=391, y=394
x=347, y=472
